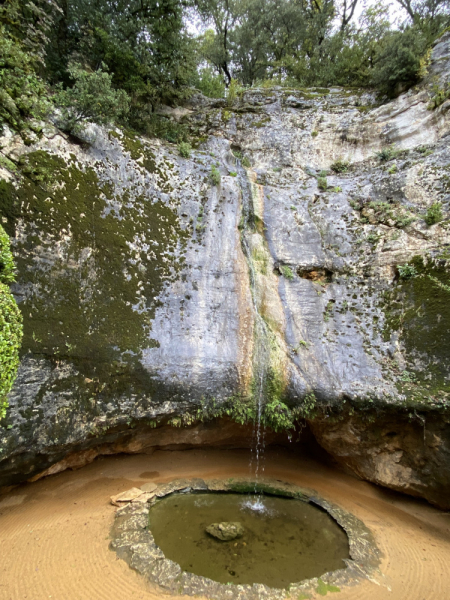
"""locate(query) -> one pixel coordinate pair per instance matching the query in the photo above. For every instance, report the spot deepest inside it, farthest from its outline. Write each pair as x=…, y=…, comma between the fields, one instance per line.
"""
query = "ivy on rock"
x=10, y=324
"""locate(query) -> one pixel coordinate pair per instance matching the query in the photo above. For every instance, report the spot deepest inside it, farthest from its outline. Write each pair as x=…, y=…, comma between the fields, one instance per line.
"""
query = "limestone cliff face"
x=150, y=295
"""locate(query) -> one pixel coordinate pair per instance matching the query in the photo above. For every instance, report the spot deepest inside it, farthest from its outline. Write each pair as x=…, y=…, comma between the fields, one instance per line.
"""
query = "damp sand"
x=54, y=533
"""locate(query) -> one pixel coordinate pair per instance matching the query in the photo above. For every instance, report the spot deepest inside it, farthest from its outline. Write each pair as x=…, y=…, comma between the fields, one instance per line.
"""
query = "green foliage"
x=434, y=214
x=400, y=60
x=184, y=148
x=440, y=95
x=233, y=173
x=323, y=588
x=246, y=162
x=166, y=129
x=287, y=272
x=24, y=26
x=92, y=98
x=340, y=166
x=408, y=377
x=407, y=271
x=322, y=183
x=391, y=214
x=7, y=268
x=278, y=416
x=151, y=59
x=234, y=90
x=210, y=83
x=215, y=175
x=308, y=405
x=373, y=238
x=392, y=170
x=10, y=324
x=337, y=189
x=143, y=44
x=387, y=153
x=424, y=151
x=303, y=343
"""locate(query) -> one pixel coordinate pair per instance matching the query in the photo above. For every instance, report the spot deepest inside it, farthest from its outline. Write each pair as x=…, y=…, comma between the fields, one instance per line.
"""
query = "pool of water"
x=284, y=541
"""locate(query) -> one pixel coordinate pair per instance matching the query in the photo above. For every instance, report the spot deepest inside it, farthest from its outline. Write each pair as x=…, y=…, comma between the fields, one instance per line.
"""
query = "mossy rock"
x=93, y=262
x=418, y=311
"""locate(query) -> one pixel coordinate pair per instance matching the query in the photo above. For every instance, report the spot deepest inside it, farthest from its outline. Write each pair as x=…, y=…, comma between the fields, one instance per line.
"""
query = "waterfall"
x=262, y=336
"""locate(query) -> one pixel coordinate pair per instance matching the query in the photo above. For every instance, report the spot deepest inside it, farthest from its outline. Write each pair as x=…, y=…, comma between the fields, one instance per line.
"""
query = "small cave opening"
x=319, y=274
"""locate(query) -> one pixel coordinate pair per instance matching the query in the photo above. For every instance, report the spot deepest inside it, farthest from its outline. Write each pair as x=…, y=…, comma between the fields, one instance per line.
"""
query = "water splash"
x=255, y=503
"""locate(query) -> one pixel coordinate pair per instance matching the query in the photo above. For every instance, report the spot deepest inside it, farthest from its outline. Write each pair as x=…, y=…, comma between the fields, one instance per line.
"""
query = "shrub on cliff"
x=10, y=324
x=92, y=98
x=400, y=61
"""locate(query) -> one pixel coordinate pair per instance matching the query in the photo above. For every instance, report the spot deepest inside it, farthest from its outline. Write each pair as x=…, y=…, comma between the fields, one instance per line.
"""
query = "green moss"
x=262, y=123
x=138, y=151
x=93, y=270
x=418, y=310
x=261, y=257
x=323, y=588
x=287, y=272
x=246, y=487
x=7, y=164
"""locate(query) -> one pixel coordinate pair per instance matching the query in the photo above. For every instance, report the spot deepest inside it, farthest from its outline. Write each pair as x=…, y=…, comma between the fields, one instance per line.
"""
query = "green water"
x=289, y=541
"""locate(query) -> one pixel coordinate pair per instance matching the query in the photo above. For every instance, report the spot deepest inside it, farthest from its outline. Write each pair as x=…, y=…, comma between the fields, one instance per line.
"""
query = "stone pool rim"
x=133, y=542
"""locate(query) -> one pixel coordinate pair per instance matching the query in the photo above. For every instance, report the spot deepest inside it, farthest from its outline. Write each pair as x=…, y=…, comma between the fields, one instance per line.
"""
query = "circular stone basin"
x=284, y=540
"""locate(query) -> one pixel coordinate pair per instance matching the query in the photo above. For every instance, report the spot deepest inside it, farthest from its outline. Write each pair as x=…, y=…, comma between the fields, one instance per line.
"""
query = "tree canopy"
x=116, y=60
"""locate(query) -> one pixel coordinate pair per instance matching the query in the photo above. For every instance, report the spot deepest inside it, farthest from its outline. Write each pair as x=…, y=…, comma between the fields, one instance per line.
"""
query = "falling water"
x=261, y=354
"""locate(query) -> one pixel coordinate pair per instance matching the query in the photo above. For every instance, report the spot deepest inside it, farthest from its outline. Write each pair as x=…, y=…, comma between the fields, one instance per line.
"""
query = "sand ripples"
x=54, y=534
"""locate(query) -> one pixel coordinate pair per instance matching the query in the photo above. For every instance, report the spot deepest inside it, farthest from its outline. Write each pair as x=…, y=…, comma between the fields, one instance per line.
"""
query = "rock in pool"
x=225, y=531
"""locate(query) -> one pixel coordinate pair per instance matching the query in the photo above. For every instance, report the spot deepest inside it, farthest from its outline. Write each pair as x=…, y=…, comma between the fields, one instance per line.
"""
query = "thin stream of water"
x=261, y=354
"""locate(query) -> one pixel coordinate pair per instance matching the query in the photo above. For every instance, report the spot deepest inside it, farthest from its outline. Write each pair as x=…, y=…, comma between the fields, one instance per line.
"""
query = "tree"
x=92, y=98
x=430, y=16
x=223, y=15
x=143, y=43
x=347, y=10
x=399, y=60
x=24, y=27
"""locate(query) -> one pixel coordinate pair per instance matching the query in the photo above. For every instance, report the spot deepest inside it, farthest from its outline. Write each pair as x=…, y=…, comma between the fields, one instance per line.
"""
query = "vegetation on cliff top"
x=117, y=60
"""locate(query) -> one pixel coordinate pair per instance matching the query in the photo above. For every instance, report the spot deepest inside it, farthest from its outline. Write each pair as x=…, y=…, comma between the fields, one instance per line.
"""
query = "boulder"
x=225, y=531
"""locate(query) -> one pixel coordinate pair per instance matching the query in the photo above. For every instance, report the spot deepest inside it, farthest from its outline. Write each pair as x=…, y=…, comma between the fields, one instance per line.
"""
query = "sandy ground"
x=54, y=533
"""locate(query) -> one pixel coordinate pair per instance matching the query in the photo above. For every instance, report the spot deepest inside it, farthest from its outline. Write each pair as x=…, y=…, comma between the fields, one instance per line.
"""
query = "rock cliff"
x=153, y=297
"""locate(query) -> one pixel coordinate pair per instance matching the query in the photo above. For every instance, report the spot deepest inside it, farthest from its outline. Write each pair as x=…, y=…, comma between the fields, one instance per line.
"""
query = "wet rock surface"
x=225, y=531
x=138, y=298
